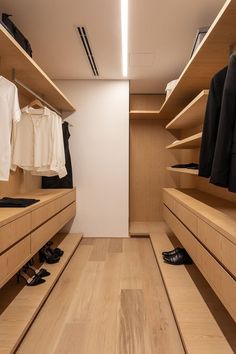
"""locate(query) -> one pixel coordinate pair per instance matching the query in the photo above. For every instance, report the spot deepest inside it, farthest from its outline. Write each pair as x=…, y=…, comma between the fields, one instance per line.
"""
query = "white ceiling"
x=161, y=35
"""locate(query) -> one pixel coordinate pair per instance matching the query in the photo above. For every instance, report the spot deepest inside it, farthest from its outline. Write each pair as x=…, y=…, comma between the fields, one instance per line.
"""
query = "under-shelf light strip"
x=124, y=35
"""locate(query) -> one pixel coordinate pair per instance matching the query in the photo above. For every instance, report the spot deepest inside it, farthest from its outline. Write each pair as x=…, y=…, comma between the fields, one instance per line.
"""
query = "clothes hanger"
x=36, y=103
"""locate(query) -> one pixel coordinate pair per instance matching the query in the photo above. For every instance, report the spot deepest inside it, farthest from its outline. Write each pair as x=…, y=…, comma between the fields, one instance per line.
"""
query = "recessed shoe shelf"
x=143, y=114
x=192, y=142
x=20, y=304
x=192, y=115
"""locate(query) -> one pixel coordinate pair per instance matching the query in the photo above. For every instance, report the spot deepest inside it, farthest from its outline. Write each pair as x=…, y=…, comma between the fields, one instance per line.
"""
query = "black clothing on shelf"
x=224, y=164
x=16, y=202
x=211, y=122
x=67, y=181
x=192, y=165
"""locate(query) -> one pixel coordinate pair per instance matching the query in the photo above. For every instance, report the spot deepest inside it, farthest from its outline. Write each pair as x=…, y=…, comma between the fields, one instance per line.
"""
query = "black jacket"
x=224, y=164
x=211, y=122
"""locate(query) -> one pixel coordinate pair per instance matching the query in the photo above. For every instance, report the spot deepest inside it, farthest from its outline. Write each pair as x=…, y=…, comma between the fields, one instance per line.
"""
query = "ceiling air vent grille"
x=88, y=50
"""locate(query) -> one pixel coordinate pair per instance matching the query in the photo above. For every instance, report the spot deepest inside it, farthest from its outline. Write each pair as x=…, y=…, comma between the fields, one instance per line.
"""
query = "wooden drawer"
x=218, y=278
x=168, y=200
x=40, y=215
x=68, y=214
x=68, y=199
x=13, y=259
x=186, y=216
x=14, y=231
x=222, y=248
x=45, y=232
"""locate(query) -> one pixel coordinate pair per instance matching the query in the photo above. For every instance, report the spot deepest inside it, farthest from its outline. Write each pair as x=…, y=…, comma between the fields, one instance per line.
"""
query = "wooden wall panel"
x=148, y=174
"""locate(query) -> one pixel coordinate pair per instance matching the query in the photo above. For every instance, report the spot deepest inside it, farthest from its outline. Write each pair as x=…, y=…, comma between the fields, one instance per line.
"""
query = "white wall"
x=99, y=146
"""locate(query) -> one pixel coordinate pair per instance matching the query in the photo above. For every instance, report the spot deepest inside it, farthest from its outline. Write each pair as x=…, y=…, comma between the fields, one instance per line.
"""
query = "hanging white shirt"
x=9, y=111
x=38, y=143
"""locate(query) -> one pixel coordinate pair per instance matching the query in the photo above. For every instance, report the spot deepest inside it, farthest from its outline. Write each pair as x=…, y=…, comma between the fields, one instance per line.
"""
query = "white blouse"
x=38, y=143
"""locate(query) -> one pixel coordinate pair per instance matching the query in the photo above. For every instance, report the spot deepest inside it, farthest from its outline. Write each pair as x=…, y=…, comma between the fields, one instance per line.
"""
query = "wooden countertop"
x=45, y=195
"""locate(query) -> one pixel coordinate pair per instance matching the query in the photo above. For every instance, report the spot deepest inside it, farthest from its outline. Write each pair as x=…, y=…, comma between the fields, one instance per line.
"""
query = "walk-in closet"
x=117, y=177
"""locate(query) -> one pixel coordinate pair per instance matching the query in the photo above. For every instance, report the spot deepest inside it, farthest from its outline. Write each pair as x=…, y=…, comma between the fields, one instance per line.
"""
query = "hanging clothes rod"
x=18, y=82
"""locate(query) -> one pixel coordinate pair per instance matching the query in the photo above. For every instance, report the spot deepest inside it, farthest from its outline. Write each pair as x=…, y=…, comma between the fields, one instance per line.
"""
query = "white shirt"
x=9, y=111
x=38, y=143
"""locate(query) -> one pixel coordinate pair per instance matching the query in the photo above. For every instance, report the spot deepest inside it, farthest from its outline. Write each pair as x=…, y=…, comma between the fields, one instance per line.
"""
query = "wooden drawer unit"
x=186, y=216
x=40, y=215
x=46, y=231
x=14, y=231
x=68, y=199
x=15, y=258
x=168, y=200
x=222, y=248
x=219, y=279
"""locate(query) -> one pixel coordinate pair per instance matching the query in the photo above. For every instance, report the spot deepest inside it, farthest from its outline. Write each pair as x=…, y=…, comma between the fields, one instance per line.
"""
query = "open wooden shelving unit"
x=20, y=305
x=190, y=142
x=211, y=56
x=183, y=170
x=192, y=115
x=13, y=57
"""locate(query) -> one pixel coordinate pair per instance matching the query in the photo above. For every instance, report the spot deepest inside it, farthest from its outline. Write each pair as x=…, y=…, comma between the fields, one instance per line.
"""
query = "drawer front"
x=45, y=232
x=218, y=278
x=68, y=199
x=17, y=255
x=40, y=215
x=222, y=248
x=168, y=200
x=14, y=231
x=186, y=216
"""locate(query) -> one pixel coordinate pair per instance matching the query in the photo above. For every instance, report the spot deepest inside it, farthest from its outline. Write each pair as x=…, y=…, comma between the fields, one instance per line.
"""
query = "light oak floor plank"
x=109, y=300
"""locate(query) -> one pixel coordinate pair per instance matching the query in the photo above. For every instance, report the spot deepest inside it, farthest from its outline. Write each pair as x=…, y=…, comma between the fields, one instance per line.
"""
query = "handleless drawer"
x=186, y=216
x=45, y=232
x=14, y=231
x=68, y=199
x=40, y=215
x=222, y=248
x=13, y=259
x=168, y=200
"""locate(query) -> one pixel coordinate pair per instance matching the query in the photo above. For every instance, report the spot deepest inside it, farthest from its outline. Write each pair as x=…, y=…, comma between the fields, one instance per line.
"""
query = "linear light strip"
x=124, y=35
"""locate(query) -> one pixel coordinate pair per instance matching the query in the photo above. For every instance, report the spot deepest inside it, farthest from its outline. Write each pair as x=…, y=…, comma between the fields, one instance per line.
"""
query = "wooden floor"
x=109, y=300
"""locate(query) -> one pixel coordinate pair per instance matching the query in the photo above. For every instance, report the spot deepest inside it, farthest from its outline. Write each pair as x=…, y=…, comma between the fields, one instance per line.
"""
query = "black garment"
x=191, y=166
x=67, y=181
x=211, y=122
x=224, y=163
x=16, y=202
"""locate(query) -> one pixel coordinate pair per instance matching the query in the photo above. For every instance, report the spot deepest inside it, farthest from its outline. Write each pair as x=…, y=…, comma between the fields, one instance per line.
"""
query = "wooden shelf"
x=28, y=72
x=143, y=228
x=143, y=114
x=183, y=170
x=20, y=305
x=204, y=324
x=211, y=56
x=192, y=115
x=217, y=212
x=192, y=142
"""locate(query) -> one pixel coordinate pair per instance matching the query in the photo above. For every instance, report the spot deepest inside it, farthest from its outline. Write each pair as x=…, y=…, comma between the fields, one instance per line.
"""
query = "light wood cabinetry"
x=194, y=221
x=191, y=142
x=22, y=237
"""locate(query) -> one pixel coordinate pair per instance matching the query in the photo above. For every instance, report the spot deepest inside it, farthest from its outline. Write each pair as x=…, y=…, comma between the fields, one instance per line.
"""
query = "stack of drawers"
x=29, y=229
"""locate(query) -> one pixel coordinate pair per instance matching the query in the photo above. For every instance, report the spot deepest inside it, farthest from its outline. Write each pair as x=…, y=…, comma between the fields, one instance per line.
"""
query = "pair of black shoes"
x=177, y=256
x=50, y=255
x=37, y=278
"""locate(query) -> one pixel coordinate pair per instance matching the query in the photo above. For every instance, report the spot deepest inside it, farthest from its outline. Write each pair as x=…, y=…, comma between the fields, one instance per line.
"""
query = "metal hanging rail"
x=18, y=82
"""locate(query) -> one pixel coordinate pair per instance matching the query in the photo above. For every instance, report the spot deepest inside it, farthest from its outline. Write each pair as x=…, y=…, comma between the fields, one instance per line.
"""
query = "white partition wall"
x=99, y=146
